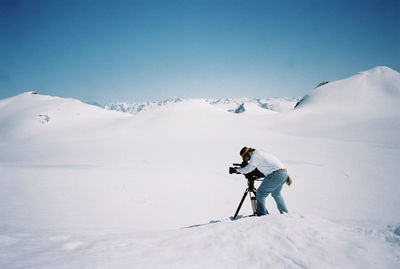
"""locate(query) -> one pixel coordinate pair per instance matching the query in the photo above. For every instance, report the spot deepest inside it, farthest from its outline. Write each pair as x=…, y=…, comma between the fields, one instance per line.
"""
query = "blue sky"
x=151, y=50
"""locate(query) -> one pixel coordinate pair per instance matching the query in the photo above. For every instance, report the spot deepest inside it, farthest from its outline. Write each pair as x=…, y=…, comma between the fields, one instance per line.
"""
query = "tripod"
x=250, y=190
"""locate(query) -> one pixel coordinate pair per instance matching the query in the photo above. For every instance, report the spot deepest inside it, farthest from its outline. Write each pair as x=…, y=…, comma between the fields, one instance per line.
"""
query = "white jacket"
x=265, y=162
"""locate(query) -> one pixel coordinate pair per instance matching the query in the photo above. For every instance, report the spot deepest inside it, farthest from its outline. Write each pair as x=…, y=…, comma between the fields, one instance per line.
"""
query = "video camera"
x=253, y=175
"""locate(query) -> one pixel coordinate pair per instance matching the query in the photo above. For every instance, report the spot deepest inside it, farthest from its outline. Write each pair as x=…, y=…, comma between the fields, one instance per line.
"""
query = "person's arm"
x=247, y=169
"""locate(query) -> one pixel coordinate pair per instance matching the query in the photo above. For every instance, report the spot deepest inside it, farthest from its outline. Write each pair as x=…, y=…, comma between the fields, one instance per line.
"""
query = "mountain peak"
x=380, y=70
x=227, y=104
x=377, y=89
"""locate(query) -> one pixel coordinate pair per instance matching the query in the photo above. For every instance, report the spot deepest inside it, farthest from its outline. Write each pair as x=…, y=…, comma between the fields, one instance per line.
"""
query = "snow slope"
x=87, y=187
x=362, y=107
x=30, y=114
x=376, y=90
x=291, y=241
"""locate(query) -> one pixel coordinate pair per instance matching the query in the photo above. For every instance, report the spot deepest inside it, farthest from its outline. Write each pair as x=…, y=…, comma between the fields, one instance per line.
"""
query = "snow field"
x=290, y=241
x=83, y=187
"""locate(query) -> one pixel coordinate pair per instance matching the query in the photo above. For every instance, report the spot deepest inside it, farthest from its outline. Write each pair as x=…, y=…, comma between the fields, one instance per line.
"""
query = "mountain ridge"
x=380, y=84
x=277, y=104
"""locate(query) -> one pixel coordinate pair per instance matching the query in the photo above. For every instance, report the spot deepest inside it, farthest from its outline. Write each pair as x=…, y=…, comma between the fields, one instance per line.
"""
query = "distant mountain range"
x=239, y=105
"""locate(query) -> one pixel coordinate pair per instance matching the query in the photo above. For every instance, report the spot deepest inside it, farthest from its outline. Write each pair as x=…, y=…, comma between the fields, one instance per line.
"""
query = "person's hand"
x=289, y=181
x=233, y=170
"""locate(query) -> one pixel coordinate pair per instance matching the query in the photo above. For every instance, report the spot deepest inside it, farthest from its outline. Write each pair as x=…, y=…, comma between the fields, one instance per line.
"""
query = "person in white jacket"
x=275, y=176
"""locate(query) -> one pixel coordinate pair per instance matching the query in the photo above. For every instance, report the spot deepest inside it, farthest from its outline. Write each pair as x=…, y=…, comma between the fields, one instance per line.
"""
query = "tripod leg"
x=254, y=202
x=241, y=202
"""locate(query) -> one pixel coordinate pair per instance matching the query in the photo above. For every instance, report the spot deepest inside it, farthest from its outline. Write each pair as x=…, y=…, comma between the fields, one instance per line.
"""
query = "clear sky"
x=151, y=50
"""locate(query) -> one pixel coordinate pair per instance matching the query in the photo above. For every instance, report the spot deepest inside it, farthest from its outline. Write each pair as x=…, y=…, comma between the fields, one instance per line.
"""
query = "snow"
x=362, y=107
x=376, y=89
x=270, y=104
x=254, y=109
x=94, y=188
x=277, y=104
x=290, y=241
x=135, y=108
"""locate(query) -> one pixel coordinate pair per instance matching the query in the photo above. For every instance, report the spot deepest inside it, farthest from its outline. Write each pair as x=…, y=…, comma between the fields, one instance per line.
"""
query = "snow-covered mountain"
x=375, y=90
x=283, y=104
x=31, y=114
x=240, y=105
x=135, y=108
x=362, y=107
x=82, y=186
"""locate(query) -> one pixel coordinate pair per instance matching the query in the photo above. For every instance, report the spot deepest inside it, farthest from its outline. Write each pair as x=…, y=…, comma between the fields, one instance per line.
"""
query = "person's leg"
x=268, y=185
x=279, y=199
x=260, y=197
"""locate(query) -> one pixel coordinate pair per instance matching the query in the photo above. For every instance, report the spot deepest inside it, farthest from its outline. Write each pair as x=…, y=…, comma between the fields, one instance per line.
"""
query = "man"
x=275, y=176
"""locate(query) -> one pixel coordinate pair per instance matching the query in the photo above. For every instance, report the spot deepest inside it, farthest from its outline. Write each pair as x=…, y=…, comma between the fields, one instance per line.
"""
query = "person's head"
x=246, y=153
